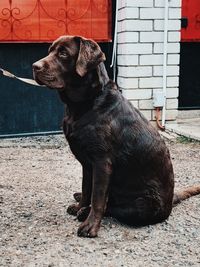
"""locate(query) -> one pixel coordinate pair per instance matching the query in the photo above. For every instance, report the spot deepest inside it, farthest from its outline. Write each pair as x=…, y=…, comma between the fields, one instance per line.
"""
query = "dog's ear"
x=89, y=57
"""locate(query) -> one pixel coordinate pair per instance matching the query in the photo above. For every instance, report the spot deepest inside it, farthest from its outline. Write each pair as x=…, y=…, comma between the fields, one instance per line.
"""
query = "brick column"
x=140, y=53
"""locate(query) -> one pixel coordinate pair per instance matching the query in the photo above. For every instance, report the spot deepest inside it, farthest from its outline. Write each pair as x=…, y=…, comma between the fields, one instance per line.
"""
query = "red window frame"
x=45, y=20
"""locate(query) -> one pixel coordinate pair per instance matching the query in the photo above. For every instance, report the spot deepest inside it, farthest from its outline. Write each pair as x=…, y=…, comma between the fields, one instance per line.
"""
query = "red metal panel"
x=45, y=20
x=191, y=14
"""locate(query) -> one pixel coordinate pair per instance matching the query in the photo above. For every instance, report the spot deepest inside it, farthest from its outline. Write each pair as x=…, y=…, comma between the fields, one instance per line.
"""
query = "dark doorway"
x=189, y=83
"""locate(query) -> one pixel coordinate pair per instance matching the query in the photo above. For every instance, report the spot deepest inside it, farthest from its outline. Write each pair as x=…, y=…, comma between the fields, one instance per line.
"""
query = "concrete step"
x=188, y=114
x=186, y=127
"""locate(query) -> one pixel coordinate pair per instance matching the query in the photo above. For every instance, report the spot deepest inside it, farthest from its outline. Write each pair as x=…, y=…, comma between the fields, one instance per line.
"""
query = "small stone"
x=18, y=252
x=26, y=214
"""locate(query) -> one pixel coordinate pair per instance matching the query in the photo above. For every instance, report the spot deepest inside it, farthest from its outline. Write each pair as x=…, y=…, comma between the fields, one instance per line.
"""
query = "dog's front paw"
x=77, y=196
x=83, y=214
x=89, y=228
x=73, y=209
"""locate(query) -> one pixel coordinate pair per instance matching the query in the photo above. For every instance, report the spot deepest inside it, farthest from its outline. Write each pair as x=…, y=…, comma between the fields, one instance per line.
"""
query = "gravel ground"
x=38, y=176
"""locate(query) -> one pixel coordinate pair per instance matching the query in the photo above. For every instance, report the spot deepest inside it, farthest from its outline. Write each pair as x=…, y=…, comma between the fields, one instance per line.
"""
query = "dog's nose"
x=38, y=65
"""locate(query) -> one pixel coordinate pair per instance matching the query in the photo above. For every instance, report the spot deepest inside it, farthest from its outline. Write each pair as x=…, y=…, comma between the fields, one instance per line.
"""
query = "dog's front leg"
x=102, y=170
x=85, y=195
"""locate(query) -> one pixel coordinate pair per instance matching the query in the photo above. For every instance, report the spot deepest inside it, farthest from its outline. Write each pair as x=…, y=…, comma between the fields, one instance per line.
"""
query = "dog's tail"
x=185, y=193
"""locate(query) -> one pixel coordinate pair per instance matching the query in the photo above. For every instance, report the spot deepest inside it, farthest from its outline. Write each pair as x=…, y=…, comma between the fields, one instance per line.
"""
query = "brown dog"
x=127, y=171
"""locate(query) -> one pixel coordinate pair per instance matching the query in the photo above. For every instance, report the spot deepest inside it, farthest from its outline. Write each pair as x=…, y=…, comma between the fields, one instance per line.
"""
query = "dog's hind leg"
x=142, y=212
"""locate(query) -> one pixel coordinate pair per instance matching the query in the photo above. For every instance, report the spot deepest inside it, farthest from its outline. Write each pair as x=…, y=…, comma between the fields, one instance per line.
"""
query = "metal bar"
x=114, y=52
x=30, y=134
x=165, y=59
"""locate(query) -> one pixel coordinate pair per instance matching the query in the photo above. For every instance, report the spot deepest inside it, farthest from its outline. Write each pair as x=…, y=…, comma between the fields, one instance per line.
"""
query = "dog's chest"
x=87, y=141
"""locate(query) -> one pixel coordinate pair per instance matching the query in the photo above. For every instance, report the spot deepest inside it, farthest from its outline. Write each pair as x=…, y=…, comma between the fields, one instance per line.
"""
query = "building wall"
x=140, y=53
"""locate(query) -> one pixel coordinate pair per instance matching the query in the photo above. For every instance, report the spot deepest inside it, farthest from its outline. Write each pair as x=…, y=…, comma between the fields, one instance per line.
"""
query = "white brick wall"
x=137, y=94
x=135, y=3
x=173, y=25
x=172, y=3
x=128, y=83
x=128, y=13
x=172, y=48
x=136, y=25
x=128, y=37
x=151, y=13
x=140, y=53
x=128, y=60
x=134, y=49
x=139, y=71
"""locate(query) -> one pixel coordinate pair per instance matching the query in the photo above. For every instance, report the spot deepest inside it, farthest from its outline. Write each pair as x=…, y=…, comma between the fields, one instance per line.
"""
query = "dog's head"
x=69, y=56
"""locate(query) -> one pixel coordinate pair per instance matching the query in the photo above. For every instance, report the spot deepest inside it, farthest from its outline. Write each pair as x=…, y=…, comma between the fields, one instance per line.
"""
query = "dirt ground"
x=38, y=176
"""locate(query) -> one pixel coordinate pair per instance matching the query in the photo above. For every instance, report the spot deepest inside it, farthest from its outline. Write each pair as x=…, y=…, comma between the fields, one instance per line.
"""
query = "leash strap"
x=25, y=80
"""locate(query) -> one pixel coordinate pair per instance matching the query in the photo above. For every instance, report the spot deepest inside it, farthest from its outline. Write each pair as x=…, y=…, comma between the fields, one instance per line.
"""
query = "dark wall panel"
x=26, y=108
x=189, y=83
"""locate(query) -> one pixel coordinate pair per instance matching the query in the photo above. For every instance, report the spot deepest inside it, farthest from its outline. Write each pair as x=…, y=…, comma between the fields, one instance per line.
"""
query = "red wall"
x=191, y=11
